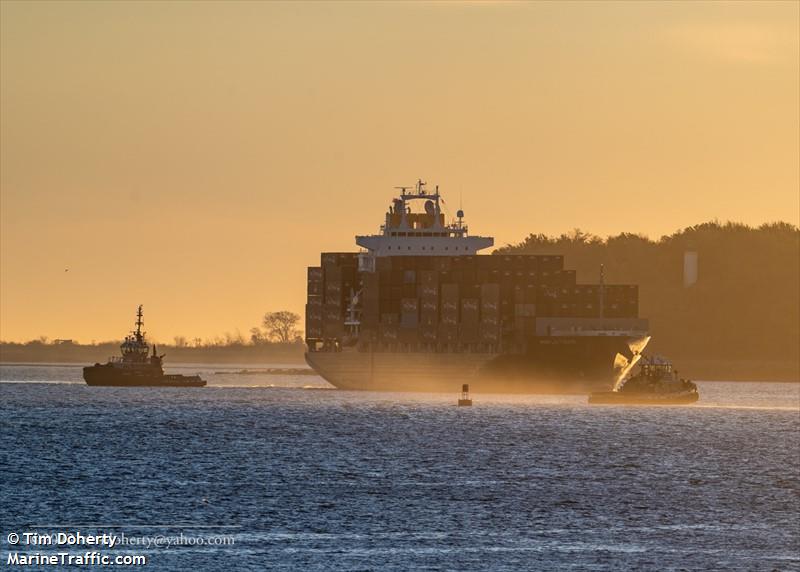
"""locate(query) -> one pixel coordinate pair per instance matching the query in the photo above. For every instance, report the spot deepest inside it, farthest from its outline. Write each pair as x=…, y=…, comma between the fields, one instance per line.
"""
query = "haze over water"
x=316, y=479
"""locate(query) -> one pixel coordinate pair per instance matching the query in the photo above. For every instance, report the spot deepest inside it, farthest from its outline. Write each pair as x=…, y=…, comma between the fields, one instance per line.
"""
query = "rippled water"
x=307, y=478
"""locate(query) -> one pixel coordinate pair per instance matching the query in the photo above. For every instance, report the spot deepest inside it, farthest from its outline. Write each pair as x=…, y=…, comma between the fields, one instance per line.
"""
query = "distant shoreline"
x=88, y=354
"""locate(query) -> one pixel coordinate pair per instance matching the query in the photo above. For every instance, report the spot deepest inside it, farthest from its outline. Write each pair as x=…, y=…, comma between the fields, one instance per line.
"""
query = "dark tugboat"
x=656, y=383
x=137, y=367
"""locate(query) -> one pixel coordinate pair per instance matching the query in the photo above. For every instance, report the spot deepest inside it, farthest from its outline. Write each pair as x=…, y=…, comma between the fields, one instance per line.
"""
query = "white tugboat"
x=657, y=383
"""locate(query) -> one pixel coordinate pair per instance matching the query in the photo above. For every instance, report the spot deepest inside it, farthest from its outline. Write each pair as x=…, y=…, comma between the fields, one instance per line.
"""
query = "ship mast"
x=139, y=323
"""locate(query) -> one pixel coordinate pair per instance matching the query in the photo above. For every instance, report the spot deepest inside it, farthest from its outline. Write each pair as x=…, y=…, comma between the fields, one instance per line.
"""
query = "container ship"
x=418, y=309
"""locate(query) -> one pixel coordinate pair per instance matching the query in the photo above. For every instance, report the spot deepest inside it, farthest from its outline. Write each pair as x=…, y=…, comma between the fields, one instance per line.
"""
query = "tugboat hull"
x=106, y=375
x=619, y=398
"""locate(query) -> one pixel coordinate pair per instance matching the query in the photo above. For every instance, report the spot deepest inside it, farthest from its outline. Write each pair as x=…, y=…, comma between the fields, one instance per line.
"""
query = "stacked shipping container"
x=475, y=302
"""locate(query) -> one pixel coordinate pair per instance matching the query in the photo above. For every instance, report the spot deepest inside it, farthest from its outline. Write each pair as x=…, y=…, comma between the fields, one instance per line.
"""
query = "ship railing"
x=599, y=332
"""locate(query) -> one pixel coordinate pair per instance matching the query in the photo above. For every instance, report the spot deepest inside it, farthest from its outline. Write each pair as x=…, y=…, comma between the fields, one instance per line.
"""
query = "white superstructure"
x=408, y=233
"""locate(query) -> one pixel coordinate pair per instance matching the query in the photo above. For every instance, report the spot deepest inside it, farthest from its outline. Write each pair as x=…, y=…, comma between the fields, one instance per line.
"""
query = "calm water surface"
x=307, y=478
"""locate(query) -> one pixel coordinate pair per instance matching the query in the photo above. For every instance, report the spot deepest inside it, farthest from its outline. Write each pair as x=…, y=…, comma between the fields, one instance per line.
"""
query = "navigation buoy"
x=465, y=400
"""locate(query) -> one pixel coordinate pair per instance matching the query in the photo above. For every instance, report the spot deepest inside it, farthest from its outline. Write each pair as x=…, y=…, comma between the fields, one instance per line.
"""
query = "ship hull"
x=100, y=375
x=565, y=364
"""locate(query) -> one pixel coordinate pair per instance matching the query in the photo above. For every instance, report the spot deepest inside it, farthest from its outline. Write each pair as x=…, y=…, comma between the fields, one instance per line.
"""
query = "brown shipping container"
x=447, y=295
x=525, y=310
x=388, y=333
x=448, y=333
x=333, y=284
x=331, y=312
x=449, y=319
x=429, y=277
x=408, y=336
x=450, y=307
x=389, y=306
x=449, y=292
x=313, y=315
x=468, y=333
x=370, y=310
x=428, y=320
x=469, y=311
x=489, y=334
x=429, y=306
x=490, y=292
x=369, y=321
x=409, y=316
x=314, y=288
x=383, y=263
x=332, y=329
x=429, y=335
x=442, y=264
x=369, y=290
x=490, y=321
x=428, y=291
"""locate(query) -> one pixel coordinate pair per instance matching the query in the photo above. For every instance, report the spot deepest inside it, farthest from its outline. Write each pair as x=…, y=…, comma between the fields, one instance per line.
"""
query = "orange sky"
x=196, y=157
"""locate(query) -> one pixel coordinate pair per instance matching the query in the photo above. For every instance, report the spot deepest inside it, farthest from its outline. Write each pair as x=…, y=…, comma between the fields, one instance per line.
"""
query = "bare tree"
x=234, y=339
x=281, y=326
x=256, y=336
x=181, y=342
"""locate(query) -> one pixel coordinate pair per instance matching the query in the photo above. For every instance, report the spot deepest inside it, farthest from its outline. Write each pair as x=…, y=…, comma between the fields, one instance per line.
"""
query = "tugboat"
x=136, y=367
x=657, y=383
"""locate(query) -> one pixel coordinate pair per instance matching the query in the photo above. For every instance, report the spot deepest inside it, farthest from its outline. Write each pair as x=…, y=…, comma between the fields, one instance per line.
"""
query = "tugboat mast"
x=139, y=323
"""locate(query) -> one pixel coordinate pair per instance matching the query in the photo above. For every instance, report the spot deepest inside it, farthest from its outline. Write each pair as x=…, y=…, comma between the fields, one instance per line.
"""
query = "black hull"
x=574, y=364
x=107, y=376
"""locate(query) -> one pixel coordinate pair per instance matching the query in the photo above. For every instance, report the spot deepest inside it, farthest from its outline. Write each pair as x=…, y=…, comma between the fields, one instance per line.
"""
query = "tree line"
x=745, y=304
x=278, y=327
